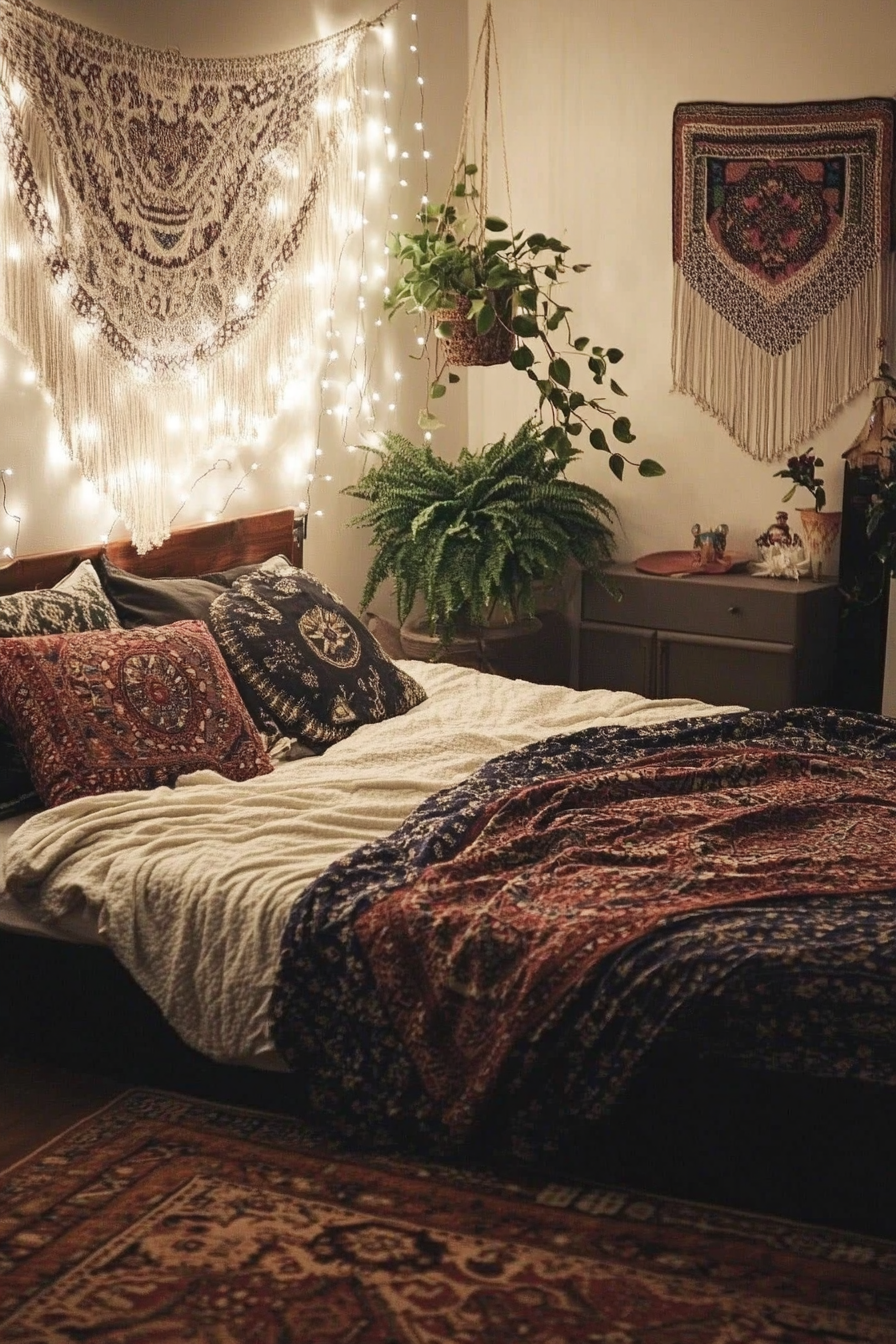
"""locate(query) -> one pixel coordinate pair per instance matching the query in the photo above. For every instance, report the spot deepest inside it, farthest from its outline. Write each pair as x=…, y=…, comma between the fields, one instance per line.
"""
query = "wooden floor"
x=39, y=1101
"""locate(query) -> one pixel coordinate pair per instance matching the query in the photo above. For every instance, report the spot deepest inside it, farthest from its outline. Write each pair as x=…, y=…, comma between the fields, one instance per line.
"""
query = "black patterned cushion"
x=77, y=602
x=303, y=663
x=103, y=710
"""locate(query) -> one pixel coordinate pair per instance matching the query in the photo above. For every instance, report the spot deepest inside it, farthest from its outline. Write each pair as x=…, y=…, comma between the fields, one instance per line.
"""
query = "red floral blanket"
x=555, y=877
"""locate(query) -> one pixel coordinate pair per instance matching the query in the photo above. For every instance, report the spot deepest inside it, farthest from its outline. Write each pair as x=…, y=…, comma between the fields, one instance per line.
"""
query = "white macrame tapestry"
x=783, y=244
x=160, y=220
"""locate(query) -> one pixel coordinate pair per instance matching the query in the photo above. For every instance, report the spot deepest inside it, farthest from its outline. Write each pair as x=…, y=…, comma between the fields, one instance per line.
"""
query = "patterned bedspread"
x=521, y=943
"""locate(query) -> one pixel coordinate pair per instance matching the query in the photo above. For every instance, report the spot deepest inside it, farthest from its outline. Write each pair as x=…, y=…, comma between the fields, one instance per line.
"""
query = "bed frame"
x=816, y=1149
x=200, y=549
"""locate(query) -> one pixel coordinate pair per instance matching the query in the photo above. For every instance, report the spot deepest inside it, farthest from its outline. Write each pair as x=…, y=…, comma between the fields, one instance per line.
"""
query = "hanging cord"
x=486, y=55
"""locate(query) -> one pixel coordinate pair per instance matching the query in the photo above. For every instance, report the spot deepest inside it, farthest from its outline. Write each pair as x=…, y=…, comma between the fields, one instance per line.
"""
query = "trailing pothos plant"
x=463, y=253
x=474, y=535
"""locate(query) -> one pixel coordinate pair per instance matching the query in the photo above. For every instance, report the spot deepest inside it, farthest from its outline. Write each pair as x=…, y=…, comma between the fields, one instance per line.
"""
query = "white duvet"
x=191, y=886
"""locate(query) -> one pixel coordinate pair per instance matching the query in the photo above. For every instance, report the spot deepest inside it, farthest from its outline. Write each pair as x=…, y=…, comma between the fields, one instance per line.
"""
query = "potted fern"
x=475, y=536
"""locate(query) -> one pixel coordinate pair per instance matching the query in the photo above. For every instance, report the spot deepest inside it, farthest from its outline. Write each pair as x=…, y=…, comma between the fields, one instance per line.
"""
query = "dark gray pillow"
x=303, y=663
x=141, y=601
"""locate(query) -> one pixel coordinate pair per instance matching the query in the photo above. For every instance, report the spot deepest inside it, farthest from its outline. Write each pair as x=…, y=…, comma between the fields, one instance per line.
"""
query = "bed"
x=392, y=933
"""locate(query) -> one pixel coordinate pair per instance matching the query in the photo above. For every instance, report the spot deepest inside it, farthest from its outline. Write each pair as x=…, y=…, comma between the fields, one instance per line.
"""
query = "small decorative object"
x=782, y=243
x=710, y=545
x=872, y=447
x=680, y=564
x=819, y=529
x=781, y=551
x=782, y=560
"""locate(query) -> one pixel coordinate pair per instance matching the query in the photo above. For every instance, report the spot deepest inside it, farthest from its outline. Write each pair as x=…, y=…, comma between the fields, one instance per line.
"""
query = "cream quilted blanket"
x=191, y=886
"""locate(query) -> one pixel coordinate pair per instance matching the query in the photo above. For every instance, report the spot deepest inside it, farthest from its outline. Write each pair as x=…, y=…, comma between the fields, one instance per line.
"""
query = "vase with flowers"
x=820, y=530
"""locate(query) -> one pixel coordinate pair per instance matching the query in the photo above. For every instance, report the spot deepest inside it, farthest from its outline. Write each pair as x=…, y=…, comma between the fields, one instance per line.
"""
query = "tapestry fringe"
x=771, y=404
x=131, y=432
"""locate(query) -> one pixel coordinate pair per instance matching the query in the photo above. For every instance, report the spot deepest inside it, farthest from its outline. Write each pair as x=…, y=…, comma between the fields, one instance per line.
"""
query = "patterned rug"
x=161, y=1220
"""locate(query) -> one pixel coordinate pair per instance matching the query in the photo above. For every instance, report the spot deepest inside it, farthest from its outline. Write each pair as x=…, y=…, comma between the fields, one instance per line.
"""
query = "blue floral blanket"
x=802, y=981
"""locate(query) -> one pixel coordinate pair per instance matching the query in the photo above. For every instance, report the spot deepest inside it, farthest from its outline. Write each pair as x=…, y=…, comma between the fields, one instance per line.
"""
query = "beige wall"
x=57, y=506
x=590, y=87
x=589, y=90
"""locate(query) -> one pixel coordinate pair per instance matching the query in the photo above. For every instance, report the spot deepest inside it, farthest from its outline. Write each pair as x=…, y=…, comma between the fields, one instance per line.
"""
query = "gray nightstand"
x=727, y=639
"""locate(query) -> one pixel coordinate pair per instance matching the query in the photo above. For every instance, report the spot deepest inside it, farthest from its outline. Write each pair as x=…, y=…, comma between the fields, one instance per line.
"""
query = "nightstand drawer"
x=728, y=606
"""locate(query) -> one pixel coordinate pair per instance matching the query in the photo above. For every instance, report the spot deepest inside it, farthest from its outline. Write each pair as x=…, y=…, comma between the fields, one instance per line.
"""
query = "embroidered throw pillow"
x=77, y=602
x=104, y=710
x=303, y=663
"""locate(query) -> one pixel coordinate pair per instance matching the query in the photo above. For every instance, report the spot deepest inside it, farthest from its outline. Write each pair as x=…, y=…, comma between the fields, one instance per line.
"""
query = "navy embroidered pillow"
x=303, y=663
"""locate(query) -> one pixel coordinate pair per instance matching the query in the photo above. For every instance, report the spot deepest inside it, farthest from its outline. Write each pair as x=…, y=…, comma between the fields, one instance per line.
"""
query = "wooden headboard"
x=199, y=549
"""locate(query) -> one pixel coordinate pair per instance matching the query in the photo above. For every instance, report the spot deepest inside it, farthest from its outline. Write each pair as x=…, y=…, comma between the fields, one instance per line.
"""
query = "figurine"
x=711, y=545
x=779, y=534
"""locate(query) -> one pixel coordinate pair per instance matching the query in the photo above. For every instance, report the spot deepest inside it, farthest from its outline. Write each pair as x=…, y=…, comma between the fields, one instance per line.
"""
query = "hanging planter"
x=485, y=294
x=464, y=345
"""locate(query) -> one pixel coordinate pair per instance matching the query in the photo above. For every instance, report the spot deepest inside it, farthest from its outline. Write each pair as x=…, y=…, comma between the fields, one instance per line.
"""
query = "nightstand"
x=727, y=639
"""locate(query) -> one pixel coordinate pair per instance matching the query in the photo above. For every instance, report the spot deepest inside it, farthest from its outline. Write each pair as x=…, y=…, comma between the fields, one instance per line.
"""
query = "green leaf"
x=445, y=330
x=486, y=319
x=598, y=366
x=599, y=440
x=470, y=169
x=454, y=377
x=650, y=468
x=427, y=421
x=460, y=189
x=622, y=429
x=617, y=465
x=495, y=224
x=528, y=299
x=550, y=272
x=617, y=389
x=437, y=390
x=522, y=358
x=553, y=436
x=536, y=241
x=790, y=493
x=580, y=342
x=614, y=355
x=545, y=387
x=582, y=266
x=524, y=326
x=559, y=370
x=574, y=428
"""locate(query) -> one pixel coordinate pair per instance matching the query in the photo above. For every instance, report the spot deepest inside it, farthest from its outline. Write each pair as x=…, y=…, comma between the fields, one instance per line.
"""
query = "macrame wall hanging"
x=784, y=270
x=160, y=222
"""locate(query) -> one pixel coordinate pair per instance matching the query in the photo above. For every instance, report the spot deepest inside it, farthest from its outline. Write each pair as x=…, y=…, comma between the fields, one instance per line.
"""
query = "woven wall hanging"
x=784, y=274
x=160, y=221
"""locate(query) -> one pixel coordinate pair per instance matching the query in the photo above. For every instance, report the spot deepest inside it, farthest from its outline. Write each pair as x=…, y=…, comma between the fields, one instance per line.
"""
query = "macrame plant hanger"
x=467, y=345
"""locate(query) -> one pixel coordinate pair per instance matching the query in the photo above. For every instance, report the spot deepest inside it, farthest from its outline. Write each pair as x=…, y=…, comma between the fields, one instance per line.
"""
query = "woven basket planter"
x=466, y=346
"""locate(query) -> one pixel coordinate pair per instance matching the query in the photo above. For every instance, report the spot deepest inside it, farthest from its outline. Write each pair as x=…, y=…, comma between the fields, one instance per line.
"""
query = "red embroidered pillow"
x=104, y=710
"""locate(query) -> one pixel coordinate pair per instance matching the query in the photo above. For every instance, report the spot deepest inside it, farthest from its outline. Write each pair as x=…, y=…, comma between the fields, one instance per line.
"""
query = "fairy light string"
x=358, y=388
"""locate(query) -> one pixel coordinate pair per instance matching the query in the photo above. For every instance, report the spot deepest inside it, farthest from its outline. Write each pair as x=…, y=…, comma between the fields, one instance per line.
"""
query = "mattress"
x=76, y=926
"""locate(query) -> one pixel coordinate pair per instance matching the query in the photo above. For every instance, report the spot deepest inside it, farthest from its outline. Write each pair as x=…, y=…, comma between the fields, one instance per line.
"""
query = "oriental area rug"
x=163, y=1220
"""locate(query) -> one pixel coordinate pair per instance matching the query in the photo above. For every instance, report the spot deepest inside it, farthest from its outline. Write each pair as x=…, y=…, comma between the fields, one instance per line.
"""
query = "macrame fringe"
x=770, y=404
x=122, y=429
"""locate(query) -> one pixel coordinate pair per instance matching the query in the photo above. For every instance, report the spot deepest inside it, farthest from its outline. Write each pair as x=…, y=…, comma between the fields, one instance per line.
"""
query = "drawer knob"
x=734, y=611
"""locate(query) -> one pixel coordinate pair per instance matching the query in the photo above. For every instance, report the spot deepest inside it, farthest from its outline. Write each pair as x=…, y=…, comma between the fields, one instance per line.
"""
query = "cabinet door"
x=746, y=672
x=617, y=658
